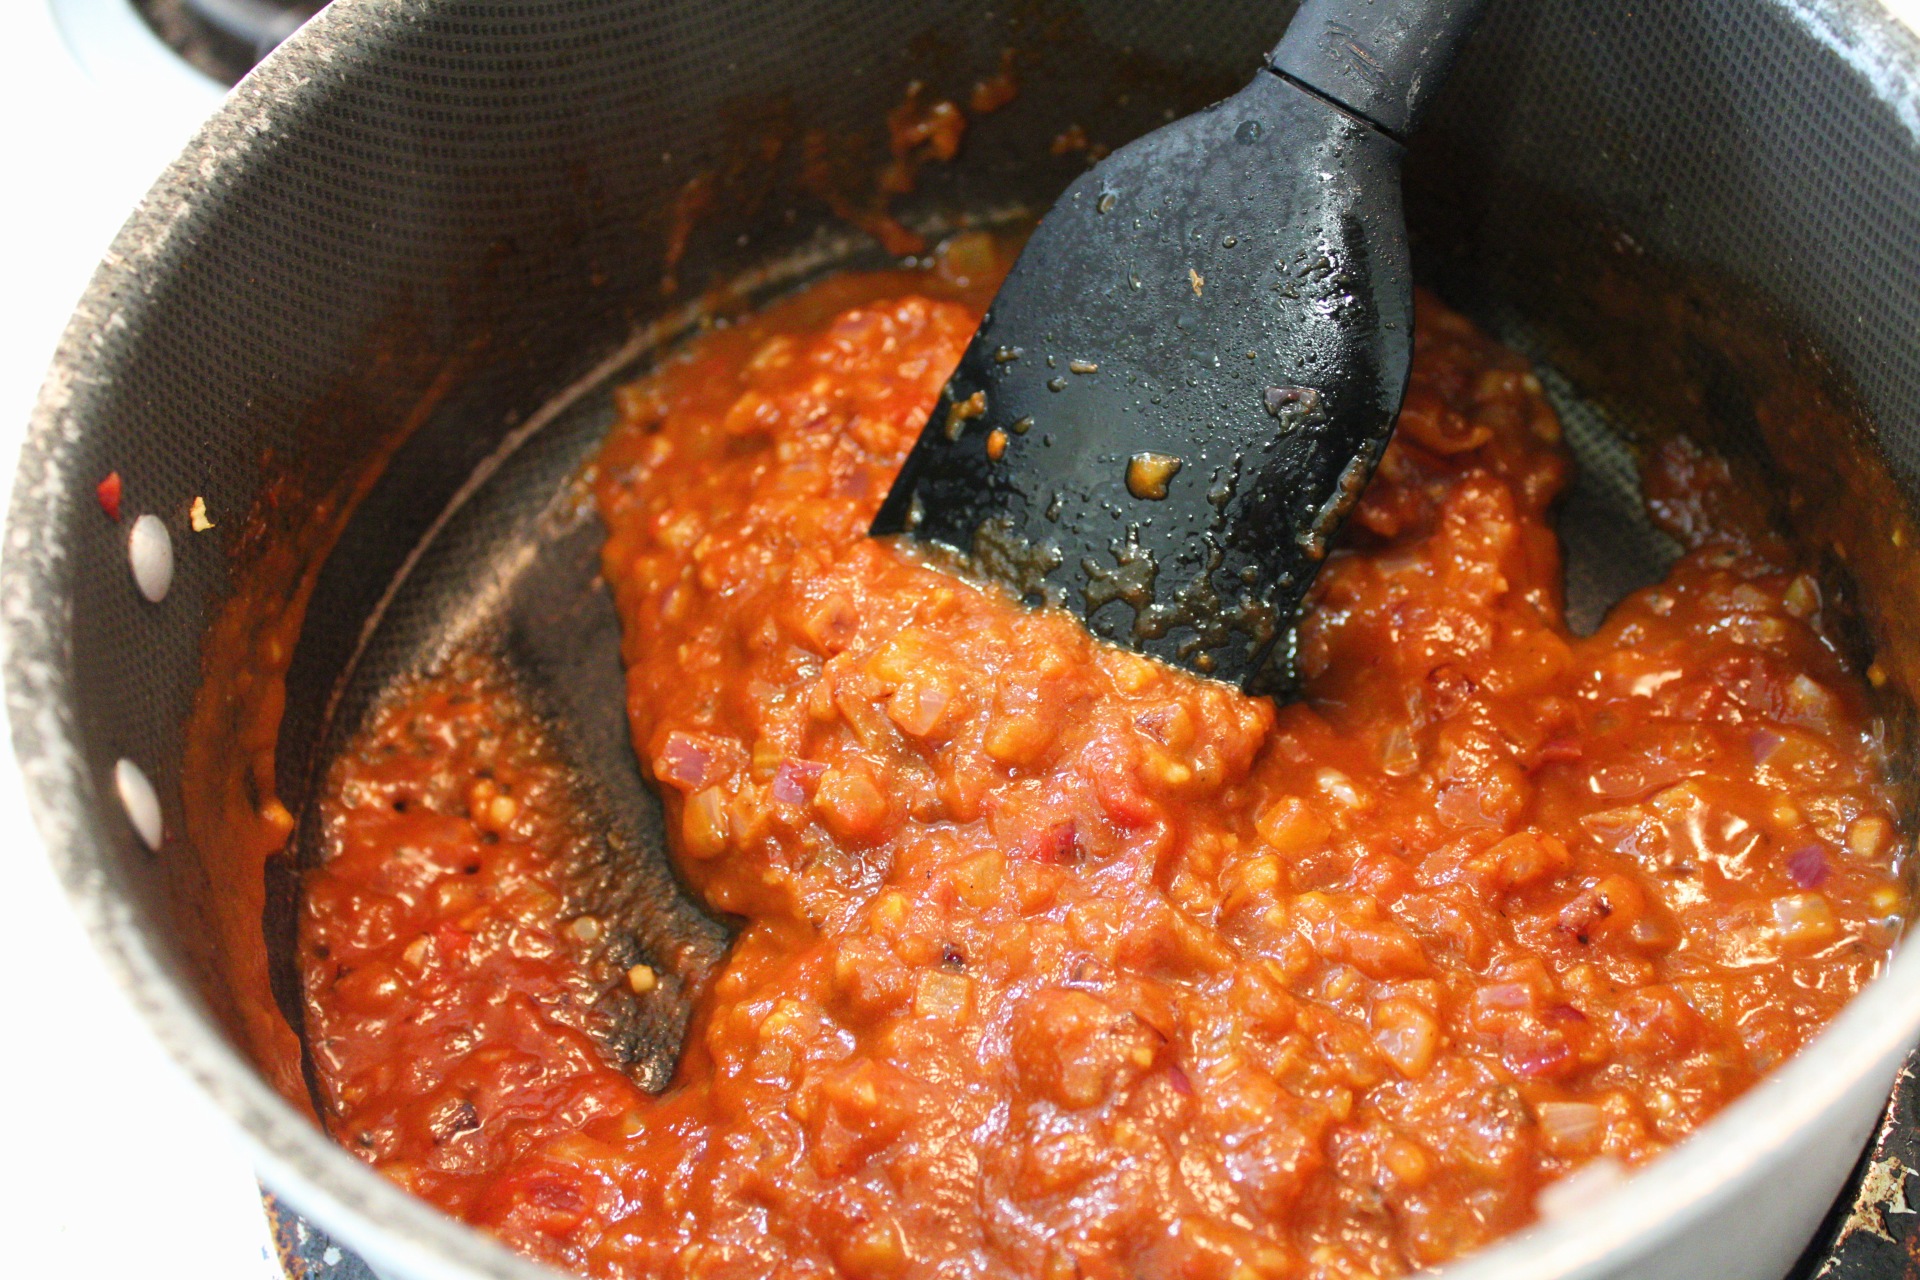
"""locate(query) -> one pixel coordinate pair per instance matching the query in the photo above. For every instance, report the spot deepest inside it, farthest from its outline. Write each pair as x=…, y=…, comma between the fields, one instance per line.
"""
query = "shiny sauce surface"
x=1055, y=962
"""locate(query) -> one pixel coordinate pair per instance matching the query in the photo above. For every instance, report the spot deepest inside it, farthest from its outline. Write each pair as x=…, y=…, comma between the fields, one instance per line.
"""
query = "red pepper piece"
x=108, y=492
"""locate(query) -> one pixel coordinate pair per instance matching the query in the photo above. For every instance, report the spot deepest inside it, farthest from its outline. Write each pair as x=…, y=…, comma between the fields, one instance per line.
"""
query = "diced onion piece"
x=1291, y=828
x=1406, y=1035
x=851, y=805
x=1019, y=741
x=918, y=709
x=1568, y=1123
x=945, y=997
x=683, y=762
x=871, y=1250
x=1807, y=866
x=704, y=826
x=1398, y=756
x=1802, y=597
x=1868, y=835
x=1585, y=1186
x=1504, y=995
x=1804, y=917
x=794, y=780
x=1338, y=787
x=980, y=881
x=1809, y=699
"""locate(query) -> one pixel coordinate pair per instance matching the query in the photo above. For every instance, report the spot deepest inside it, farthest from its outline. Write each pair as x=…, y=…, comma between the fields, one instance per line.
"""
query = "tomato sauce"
x=1055, y=962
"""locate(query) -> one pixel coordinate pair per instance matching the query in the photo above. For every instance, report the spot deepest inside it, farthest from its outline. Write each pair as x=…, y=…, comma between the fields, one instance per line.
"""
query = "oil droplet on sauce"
x=996, y=444
x=1148, y=473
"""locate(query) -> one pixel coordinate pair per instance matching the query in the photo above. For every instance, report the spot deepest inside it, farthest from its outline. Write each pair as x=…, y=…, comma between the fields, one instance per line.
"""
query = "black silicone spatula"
x=1194, y=364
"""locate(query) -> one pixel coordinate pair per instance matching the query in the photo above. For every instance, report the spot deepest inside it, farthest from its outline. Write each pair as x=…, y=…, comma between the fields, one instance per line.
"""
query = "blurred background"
x=116, y=1166
x=220, y=38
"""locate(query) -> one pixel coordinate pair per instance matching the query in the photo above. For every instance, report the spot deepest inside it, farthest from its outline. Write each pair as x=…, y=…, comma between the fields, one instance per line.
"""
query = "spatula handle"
x=1381, y=59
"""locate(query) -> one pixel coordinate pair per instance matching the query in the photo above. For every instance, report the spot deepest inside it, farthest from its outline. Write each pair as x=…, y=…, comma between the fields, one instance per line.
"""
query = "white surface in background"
x=113, y=1165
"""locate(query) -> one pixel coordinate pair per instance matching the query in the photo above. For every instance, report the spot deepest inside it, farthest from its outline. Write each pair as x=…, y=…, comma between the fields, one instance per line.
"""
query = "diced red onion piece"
x=1559, y=750
x=1807, y=866
x=1182, y=1083
x=793, y=780
x=683, y=762
x=1540, y=1059
x=1506, y=995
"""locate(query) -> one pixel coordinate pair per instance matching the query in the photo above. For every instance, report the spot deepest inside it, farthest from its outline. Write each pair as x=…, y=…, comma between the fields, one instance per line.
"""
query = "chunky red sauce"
x=1059, y=963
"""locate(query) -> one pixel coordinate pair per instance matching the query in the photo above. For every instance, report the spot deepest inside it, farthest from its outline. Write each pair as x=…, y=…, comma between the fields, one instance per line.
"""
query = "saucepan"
x=418, y=240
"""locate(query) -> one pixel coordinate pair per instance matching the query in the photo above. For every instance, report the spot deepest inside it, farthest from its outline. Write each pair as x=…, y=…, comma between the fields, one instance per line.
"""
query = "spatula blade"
x=1183, y=384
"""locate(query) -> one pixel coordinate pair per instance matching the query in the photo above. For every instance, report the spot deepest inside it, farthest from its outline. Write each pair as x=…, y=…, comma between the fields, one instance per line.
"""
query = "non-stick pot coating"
x=420, y=222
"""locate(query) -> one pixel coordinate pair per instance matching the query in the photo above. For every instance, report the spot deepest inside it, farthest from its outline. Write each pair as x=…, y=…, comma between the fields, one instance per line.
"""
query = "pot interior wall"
x=1706, y=213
